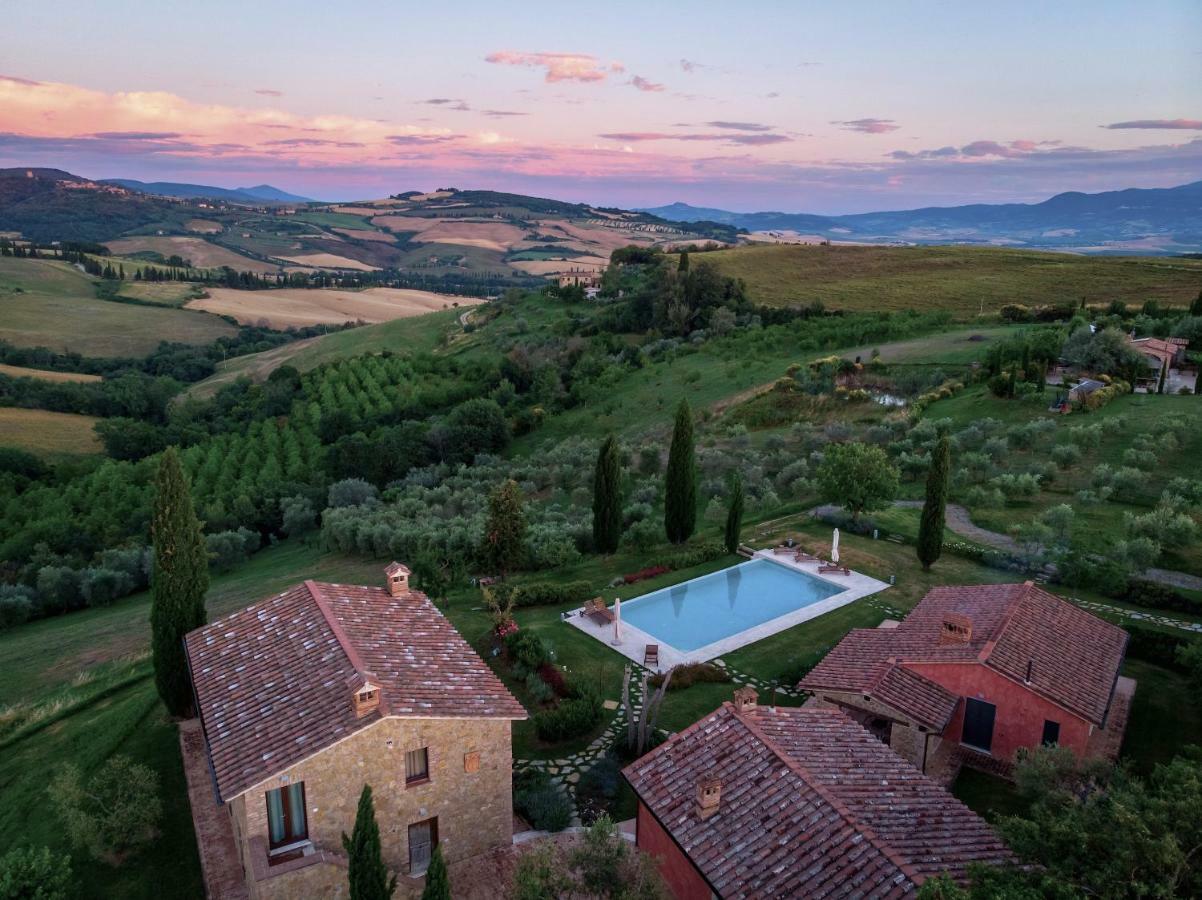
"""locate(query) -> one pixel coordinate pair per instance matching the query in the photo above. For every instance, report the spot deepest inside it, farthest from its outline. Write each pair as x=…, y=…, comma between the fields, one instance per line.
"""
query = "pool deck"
x=634, y=641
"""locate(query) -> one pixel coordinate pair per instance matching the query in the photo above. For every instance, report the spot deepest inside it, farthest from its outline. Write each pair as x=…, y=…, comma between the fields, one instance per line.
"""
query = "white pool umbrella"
x=835, y=547
x=617, y=621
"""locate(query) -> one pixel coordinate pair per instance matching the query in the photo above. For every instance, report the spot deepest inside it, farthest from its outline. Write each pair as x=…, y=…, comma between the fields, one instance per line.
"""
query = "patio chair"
x=833, y=569
x=783, y=549
x=651, y=656
x=802, y=556
x=596, y=610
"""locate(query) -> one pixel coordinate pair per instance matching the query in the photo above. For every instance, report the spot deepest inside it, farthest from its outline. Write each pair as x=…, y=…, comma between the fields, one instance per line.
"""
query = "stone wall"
x=470, y=797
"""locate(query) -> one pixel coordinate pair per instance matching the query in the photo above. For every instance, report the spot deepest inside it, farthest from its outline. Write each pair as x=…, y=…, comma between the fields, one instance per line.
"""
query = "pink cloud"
x=869, y=126
x=644, y=85
x=269, y=92
x=1171, y=124
x=753, y=140
x=558, y=66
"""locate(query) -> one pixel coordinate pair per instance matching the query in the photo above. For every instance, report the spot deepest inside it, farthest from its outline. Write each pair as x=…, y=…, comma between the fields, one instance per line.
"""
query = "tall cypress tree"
x=505, y=531
x=1195, y=308
x=734, y=514
x=178, y=582
x=438, y=882
x=366, y=871
x=930, y=529
x=607, y=498
x=680, y=504
x=683, y=266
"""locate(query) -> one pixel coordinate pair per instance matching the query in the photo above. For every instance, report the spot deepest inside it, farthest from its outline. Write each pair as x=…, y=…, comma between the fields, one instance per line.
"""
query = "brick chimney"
x=709, y=796
x=957, y=629
x=745, y=699
x=397, y=578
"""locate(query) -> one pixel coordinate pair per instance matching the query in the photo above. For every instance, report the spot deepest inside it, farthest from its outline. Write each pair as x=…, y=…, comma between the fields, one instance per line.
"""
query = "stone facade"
x=469, y=791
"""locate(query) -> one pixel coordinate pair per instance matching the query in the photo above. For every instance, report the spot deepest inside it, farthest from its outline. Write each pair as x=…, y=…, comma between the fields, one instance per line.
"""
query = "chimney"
x=745, y=699
x=365, y=693
x=709, y=795
x=397, y=577
x=957, y=629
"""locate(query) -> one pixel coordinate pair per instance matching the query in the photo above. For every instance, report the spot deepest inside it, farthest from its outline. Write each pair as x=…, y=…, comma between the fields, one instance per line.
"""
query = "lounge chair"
x=801, y=556
x=651, y=656
x=833, y=569
x=596, y=610
x=783, y=548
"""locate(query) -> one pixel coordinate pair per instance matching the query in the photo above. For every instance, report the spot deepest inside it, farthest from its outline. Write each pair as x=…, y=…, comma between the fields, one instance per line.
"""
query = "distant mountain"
x=258, y=193
x=1157, y=220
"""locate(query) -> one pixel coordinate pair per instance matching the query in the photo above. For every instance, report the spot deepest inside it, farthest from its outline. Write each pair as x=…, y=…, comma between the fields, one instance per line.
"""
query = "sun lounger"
x=596, y=610
x=833, y=569
x=651, y=656
x=802, y=556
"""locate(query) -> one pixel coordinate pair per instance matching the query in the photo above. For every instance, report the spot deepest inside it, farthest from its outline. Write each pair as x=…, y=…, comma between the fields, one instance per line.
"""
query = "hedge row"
x=576, y=715
x=547, y=593
x=1159, y=647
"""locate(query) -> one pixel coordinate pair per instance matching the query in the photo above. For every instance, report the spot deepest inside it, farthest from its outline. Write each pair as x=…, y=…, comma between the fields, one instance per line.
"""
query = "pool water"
x=722, y=604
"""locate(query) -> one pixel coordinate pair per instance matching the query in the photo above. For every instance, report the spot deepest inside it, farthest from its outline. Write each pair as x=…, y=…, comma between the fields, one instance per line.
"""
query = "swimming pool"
x=718, y=606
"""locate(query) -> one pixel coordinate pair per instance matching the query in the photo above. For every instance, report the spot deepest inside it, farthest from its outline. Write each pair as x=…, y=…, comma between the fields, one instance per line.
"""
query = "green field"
x=52, y=304
x=965, y=281
x=43, y=432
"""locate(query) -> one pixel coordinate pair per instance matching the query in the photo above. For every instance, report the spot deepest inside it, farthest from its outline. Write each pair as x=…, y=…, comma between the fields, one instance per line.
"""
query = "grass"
x=1166, y=715
x=988, y=795
x=965, y=281
x=47, y=374
x=48, y=433
x=164, y=293
x=418, y=334
x=51, y=304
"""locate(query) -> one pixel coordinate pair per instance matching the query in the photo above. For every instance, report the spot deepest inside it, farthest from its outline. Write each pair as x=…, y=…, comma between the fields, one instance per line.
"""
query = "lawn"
x=47, y=433
x=51, y=304
x=962, y=280
x=47, y=374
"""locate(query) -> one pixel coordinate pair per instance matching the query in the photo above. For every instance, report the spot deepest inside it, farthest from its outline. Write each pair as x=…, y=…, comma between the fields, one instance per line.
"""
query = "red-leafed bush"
x=644, y=574
x=553, y=678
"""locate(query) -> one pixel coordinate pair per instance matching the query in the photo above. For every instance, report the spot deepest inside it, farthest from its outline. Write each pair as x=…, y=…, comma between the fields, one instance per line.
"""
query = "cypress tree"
x=178, y=582
x=607, y=498
x=1164, y=369
x=1195, y=308
x=505, y=532
x=438, y=883
x=683, y=266
x=1012, y=387
x=930, y=529
x=734, y=514
x=680, y=504
x=366, y=871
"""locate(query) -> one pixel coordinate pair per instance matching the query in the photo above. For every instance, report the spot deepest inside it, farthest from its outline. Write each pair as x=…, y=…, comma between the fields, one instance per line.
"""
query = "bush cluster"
x=1159, y=647
x=689, y=674
x=575, y=715
x=548, y=593
x=537, y=800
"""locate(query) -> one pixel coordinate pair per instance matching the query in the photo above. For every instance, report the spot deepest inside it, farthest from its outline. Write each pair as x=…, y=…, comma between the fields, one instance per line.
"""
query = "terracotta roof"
x=1060, y=651
x=274, y=680
x=812, y=805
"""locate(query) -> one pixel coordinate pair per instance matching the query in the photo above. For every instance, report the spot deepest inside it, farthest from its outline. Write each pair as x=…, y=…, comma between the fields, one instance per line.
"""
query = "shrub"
x=644, y=574
x=575, y=715
x=549, y=547
x=552, y=676
x=1065, y=455
x=34, y=873
x=537, y=800
x=706, y=551
x=688, y=674
x=547, y=593
x=1159, y=596
x=228, y=548
x=101, y=586
x=115, y=811
x=642, y=536
x=298, y=516
x=16, y=605
x=1159, y=647
x=527, y=650
x=598, y=788
x=539, y=690
x=350, y=492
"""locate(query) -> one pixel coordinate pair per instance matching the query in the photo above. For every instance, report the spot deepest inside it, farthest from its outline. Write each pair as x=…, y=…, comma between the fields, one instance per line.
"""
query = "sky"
x=793, y=106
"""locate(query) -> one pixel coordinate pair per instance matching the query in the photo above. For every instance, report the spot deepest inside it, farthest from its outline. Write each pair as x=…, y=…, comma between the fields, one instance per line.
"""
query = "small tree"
x=368, y=876
x=607, y=498
x=734, y=514
x=680, y=503
x=113, y=812
x=438, y=882
x=1195, y=308
x=930, y=529
x=683, y=266
x=1164, y=371
x=505, y=531
x=34, y=873
x=178, y=582
x=858, y=476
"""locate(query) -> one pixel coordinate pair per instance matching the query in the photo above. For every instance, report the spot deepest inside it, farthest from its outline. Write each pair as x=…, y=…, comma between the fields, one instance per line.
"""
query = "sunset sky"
x=802, y=107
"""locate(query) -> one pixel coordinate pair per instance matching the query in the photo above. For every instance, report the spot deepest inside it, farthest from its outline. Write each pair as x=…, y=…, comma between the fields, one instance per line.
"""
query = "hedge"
x=706, y=551
x=547, y=593
x=574, y=716
x=1159, y=596
x=540, y=802
x=1158, y=647
x=688, y=674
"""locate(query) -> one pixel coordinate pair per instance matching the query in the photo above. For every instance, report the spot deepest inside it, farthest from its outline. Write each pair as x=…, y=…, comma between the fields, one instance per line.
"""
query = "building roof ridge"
x=844, y=811
x=344, y=640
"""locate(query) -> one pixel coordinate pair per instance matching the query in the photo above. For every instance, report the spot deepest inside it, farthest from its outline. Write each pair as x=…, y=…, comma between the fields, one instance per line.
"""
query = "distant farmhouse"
x=585, y=278
x=309, y=695
x=1162, y=355
x=973, y=674
x=756, y=802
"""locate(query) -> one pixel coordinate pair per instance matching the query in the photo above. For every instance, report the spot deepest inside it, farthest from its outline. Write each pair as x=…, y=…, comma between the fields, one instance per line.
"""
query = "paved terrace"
x=633, y=641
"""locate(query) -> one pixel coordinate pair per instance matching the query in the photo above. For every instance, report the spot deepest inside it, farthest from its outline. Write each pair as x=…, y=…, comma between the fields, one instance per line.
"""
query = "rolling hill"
x=1161, y=221
x=257, y=194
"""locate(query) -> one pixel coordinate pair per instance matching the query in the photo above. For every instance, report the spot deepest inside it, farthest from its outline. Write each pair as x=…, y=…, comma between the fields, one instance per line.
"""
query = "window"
x=417, y=766
x=978, y=724
x=423, y=838
x=1051, y=732
x=366, y=696
x=286, y=823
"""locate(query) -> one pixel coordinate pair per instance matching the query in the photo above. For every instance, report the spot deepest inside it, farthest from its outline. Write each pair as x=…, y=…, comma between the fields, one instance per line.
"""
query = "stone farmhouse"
x=309, y=695
x=585, y=278
x=756, y=801
x=974, y=673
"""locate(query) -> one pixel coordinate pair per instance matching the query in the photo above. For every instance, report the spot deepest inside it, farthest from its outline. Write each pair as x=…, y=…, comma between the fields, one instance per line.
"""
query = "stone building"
x=981, y=671
x=307, y=696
